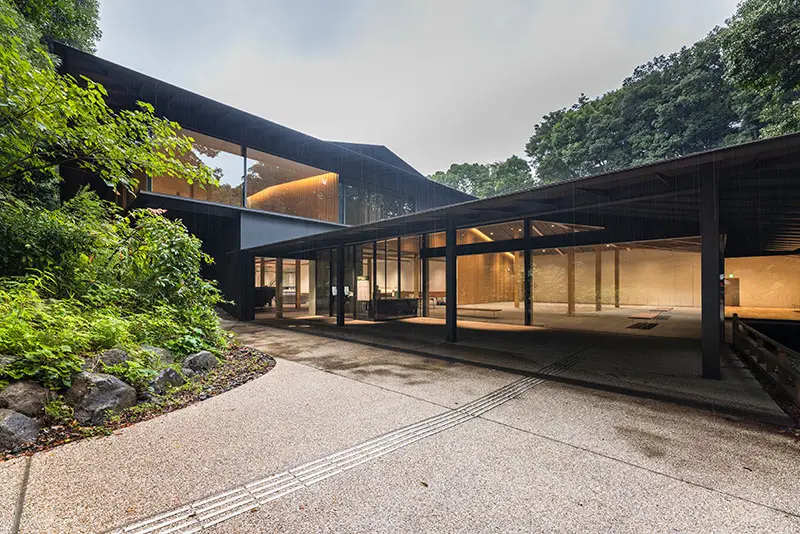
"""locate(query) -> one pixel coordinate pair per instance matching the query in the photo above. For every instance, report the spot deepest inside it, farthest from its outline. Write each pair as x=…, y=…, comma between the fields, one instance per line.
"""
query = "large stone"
x=107, y=357
x=25, y=397
x=16, y=429
x=163, y=354
x=93, y=395
x=167, y=378
x=200, y=362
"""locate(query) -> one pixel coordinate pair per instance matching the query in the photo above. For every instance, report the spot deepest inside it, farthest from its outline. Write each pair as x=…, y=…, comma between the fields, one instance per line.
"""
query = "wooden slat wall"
x=482, y=278
x=316, y=197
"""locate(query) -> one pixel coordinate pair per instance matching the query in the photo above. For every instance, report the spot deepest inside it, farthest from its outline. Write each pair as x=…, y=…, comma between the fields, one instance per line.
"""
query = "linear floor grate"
x=210, y=511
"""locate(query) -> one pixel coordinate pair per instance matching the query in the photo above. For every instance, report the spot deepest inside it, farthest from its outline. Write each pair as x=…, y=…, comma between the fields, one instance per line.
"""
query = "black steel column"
x=616, y=277
x=374, y=281
x=528, y=280
x=340, y=285
x=247, y=271
x=451, y=287
x=356, y=269
x=711, y=282
x=279, y=288
x=425, y=275
x=399, y=266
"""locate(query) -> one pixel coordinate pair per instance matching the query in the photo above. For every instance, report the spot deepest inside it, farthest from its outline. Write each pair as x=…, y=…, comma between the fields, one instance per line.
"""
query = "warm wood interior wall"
x=767, y=282
x=482, y=278
x=316, y=197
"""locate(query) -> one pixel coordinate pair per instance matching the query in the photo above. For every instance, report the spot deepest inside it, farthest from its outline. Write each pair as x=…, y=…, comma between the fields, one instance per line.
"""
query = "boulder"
x=92, y=395
x=163, y=354
x=107, y=357
x=199, y=363
x=25, y=397
x=166, y=378
x=16, y=429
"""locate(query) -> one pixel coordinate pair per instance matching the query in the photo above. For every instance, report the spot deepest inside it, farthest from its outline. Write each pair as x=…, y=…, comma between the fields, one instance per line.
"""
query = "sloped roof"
x=380, y=153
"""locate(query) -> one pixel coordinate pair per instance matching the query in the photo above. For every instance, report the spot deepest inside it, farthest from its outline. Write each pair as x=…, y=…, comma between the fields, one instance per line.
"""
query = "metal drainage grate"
x=208, y=512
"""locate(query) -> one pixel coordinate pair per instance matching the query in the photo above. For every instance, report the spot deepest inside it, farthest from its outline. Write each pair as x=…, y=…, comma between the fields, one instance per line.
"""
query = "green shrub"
x=58, y=411
x=83, y=278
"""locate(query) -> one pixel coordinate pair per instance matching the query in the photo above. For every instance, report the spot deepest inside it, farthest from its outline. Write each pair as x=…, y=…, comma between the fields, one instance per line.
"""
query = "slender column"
x=312, y=287
x=711, y=282
x=340, y=285
x=296, y=284
x=425, y=276
x=279, y=288
x=616, y=278
x=598, y=278
x=528, y=280
x=399, y=265
x=263, y=272
x=451, y=293
x=571, y=283
x=374, y=280
x=244, y=176
x=354, y=282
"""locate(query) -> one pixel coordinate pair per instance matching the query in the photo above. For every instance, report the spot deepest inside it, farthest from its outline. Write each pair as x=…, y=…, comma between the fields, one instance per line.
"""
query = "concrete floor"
x=557, y=458
x=658, y=367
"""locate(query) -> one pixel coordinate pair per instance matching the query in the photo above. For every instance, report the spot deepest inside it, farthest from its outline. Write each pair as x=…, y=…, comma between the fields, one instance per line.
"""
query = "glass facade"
x=254, y=179
x=227, y=163
x=362, y=205
x=283, y=186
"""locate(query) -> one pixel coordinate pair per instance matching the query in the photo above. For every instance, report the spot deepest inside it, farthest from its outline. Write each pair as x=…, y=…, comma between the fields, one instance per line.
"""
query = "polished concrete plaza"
x=557, y=457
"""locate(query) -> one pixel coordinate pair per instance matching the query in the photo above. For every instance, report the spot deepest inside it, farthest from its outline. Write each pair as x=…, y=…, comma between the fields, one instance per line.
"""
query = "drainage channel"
x=205, y=513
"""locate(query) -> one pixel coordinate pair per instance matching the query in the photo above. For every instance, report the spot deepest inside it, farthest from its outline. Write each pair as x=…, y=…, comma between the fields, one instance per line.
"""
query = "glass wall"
x=283, y=186
x=223, y=157
x=363, y=205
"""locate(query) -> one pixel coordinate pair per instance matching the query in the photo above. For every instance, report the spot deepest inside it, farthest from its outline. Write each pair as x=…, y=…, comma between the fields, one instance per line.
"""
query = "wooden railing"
x=771, y=356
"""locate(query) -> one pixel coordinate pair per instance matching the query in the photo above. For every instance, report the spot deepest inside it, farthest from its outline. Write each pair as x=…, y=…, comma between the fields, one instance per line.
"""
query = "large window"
x=226, y=161
x=284, y=186
x=363, y=206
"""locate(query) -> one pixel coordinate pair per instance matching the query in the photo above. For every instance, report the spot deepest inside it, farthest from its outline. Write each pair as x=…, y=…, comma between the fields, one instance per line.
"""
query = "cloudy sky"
x=437, y=81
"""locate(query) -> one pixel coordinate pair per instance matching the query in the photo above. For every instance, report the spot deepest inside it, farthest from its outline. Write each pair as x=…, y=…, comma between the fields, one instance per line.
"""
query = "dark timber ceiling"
x=759, y=185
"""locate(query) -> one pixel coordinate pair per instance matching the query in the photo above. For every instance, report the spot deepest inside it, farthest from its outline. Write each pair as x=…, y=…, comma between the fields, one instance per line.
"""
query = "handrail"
x=774, y=363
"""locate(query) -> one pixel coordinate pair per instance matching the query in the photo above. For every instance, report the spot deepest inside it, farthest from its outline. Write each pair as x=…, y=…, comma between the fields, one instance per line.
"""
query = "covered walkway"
x=654, y=239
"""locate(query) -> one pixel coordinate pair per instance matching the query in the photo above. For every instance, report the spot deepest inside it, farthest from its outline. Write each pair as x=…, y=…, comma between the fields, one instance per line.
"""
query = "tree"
x=671, y=106
x=48, y=120
x=466, y=177
x=507, y=176
x=73, y=22
x=484, y=181
x=761, y=47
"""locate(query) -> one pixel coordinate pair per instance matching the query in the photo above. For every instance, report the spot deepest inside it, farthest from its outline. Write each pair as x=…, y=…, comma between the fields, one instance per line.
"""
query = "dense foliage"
x=80, y=276
x=74, y=22
x=83, y=278
x=489, y=180
x=740, y=83
x=48, y=120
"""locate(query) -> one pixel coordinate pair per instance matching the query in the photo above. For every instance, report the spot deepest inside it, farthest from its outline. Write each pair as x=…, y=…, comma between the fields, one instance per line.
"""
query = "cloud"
x=437, y=81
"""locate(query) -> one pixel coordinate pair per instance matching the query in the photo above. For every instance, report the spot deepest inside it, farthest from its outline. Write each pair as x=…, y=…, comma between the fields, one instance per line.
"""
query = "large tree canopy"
x=740, y=83
x=762, y=58
x=71, y=21
x=48, y=120
x=484, y=181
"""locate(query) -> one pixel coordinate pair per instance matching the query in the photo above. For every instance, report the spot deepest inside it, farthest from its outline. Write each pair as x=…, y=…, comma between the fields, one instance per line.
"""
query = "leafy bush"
x=97, y=280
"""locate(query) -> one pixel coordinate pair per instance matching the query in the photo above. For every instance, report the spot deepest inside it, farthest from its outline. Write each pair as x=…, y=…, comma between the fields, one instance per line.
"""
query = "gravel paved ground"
x=557, y=458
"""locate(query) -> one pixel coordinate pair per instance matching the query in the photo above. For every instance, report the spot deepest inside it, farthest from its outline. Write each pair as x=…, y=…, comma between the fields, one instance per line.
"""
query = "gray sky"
x=437, y=81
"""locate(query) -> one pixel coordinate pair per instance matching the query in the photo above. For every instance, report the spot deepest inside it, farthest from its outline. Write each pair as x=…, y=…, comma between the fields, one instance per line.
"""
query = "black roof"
x=355, y=164
x=759, y=191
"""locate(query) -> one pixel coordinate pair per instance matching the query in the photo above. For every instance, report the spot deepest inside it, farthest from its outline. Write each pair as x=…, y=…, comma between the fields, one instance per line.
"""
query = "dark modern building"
x=275, y=183
x=301, y=227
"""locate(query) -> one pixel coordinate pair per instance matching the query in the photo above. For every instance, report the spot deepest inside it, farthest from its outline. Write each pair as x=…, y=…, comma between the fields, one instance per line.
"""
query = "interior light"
x=730, y=275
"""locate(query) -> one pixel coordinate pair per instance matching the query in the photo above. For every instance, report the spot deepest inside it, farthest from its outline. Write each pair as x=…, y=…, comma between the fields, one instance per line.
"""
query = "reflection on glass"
x=283, y=186
x=221, y=156
x=363, y=206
